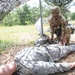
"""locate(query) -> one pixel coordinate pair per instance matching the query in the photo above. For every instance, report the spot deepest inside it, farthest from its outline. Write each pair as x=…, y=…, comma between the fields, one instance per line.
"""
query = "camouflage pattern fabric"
x=68, y=32
x=40, y=60
x=72, y=27
x=54, y=24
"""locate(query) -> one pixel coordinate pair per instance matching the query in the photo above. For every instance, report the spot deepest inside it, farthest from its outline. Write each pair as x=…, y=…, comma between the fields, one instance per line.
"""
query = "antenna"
x=41, y=17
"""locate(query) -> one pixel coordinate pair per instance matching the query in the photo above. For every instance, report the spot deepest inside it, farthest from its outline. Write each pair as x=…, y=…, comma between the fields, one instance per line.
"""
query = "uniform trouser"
x=44, y=67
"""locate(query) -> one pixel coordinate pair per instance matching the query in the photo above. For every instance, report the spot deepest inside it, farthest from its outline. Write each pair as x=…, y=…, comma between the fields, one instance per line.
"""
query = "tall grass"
x=20, y=35
x=17, y=35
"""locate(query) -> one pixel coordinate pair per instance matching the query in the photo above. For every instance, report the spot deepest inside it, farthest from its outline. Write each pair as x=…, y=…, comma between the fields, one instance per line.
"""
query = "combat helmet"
x=56, y=10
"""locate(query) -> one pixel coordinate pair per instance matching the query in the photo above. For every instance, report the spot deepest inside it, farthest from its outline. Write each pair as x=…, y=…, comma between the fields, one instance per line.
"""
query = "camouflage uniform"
x=40, y=60
x=67, y=34
x=56, y=23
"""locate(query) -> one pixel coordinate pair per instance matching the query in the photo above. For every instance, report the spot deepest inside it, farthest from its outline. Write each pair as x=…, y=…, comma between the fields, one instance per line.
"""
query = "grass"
x=18, y=35
x=72, y=22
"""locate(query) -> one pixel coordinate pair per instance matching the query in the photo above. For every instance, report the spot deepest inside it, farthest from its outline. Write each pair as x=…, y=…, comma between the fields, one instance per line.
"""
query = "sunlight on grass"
x=72, y=22
x=17, y=35
x=20, y=35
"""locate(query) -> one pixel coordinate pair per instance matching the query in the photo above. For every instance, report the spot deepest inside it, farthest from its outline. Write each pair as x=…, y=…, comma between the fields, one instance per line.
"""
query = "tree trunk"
x=7, y=5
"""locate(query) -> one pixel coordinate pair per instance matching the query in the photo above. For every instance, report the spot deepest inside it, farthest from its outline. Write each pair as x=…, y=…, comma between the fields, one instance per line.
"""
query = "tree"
x=8, y=20
x=24, y=15
x=73, y=16
x=46, y=11
x=35, y=13
x=63, y=4
x=59, y=3
x=7, y=5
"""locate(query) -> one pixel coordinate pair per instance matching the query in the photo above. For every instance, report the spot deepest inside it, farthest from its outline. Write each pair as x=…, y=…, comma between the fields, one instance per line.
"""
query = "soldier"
x=57, y=24
x=40, y=60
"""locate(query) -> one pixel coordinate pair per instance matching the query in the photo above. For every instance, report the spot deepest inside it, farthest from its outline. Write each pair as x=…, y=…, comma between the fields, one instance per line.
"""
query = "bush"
x=73, y=16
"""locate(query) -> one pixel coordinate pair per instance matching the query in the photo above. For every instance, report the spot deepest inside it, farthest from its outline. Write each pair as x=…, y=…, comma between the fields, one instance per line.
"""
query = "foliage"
x=63, y=4
x=35, y=13
x=17, y=36
x=10, y=19
x=73, y=16
x=19, y=16
x=24, y=15
x=59, y=3
x=7, y=20
x=46, y=11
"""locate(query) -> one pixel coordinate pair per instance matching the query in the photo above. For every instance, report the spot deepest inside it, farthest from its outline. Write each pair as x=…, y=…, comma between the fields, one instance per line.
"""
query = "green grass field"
x=18, y=35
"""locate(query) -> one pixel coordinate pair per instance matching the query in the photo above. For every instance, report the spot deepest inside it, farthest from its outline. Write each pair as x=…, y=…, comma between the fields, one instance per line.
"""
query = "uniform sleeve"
x=63, y=24
x=68, y=32
x=51, y=25
x=63, y=20
x=41, y=67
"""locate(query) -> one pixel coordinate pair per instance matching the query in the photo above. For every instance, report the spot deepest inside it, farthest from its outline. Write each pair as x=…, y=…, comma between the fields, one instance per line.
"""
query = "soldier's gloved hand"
x=62, y=42
x=51, y=39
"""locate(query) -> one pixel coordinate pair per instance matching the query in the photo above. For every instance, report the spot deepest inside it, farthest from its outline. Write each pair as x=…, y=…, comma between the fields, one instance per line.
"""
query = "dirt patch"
x=8, y=55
